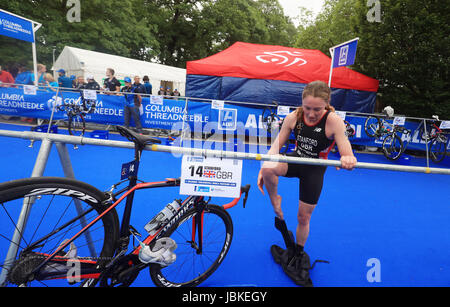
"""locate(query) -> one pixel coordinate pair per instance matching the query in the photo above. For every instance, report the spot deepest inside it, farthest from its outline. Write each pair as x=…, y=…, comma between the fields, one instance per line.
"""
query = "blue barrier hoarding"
x=161, y=113
x=175, y=114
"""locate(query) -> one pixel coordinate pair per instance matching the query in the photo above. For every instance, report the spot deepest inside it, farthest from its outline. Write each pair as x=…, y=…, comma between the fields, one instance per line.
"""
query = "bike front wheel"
x=372, y=126
x=193, y=266
x=438, y=148
x=77, y=125
x=392, y=147
x=37, y=215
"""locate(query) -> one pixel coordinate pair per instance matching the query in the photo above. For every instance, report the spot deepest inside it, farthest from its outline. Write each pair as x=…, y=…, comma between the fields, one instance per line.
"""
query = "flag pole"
x=35, y=26
x=331, y=66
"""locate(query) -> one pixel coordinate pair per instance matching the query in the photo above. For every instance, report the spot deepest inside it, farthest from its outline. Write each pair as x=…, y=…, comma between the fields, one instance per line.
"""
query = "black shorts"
x=311, y=180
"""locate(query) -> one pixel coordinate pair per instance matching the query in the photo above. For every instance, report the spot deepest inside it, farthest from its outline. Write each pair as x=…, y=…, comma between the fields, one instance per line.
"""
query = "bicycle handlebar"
x=245, y=190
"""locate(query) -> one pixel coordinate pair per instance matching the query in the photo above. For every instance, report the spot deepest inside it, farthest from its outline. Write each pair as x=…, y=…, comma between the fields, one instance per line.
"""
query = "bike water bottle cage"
x=140, y=140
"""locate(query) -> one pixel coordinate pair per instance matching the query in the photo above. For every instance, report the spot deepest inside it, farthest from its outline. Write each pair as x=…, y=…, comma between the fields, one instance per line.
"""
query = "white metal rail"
x=68, y=139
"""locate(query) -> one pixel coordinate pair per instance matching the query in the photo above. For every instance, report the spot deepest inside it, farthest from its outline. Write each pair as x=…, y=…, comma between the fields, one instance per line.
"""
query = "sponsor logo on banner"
x=54, y=102
x=343, y=53
x=285, y=58
x=227, y=119
x=156, y=100
x=171, y=112
x=16, y=27
x=15, y=103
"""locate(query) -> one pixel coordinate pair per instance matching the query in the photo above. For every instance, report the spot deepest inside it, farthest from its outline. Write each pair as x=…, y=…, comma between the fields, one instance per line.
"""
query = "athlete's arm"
x=281, y=139
x=337, y=128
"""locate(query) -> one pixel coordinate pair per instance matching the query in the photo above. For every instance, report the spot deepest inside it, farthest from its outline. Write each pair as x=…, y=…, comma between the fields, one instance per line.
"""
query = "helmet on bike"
x=389, y=111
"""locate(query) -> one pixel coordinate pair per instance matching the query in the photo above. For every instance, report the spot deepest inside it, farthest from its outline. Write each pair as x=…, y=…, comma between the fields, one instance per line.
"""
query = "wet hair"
x=317, y=89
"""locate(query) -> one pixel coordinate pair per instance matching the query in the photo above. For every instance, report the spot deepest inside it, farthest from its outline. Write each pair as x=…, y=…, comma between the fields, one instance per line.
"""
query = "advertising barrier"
x=208, y=117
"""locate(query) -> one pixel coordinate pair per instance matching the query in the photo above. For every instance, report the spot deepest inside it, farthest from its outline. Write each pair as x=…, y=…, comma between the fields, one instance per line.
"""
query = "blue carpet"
x=400, y=219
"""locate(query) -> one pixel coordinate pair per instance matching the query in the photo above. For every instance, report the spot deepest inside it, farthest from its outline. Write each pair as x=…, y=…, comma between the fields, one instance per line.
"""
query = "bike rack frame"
x=78, y=140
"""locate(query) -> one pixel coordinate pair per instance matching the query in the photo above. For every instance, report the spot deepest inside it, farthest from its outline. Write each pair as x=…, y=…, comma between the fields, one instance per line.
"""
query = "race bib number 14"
x=210, y=176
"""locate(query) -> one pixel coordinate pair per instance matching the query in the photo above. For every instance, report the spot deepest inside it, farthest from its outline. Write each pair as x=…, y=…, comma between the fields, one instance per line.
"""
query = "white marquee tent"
x=81, y=62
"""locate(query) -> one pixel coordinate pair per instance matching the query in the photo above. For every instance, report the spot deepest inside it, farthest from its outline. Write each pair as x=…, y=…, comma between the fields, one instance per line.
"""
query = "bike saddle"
x=138, y=139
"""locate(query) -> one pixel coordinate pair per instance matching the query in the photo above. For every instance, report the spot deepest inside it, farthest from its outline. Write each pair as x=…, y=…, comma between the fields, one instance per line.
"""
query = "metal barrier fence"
x=76, y=140
x=198, y=114
x=186, y=98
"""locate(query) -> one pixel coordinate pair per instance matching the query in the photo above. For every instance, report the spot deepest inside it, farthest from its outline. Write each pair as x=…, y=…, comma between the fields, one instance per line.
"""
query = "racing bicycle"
x=76, y=112
x=436, y=137
x=378, y=127
x=73, y=233
x=271, y=119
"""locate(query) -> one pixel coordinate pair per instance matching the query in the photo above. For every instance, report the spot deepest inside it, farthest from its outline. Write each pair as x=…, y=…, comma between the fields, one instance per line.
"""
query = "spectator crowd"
x=132, y=91
x=22, y=74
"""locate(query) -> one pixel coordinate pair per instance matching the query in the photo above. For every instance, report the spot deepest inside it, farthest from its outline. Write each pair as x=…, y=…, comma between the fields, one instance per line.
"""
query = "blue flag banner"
x=16, y=27
x=345, y=54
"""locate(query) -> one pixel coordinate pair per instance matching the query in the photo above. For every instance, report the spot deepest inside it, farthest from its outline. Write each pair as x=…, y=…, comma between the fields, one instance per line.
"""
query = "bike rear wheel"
x=58, y=208
x=192, y=268
x=372, y=126
x=438, y=148
x=392, y=147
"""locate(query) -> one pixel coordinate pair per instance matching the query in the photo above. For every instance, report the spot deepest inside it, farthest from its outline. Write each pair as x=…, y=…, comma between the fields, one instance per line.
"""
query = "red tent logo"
x=282, y=57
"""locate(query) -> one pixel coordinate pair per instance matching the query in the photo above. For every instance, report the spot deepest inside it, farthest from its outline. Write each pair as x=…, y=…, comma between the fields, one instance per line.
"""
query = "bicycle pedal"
x=161, y=252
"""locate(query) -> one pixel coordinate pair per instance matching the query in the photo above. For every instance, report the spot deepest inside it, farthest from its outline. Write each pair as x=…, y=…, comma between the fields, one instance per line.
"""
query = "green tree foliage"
x=175, y=23
x=106, y=26
x=407, y=50
x=193, y=29
x=332, y=26
x=171, y=32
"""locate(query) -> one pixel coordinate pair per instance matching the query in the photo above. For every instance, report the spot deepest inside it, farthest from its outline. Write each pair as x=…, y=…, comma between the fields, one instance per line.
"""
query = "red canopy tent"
x=259, y=71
